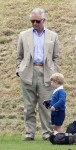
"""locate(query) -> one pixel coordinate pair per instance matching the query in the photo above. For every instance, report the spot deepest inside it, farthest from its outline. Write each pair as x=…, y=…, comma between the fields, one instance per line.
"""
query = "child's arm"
x=61, y=100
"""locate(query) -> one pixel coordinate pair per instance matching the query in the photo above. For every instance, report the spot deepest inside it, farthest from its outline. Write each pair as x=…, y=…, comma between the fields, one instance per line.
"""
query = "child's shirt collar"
x=60, y=87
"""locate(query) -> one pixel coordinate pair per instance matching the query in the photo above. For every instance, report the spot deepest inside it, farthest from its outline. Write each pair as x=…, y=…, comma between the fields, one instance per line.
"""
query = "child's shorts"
x=57, y=117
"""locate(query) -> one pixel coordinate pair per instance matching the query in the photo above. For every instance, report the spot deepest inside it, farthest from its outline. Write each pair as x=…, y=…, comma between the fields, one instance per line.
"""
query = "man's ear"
x=43, y=20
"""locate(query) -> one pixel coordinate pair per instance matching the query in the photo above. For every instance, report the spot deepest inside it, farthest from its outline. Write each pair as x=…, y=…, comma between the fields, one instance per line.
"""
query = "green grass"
x=17, y=143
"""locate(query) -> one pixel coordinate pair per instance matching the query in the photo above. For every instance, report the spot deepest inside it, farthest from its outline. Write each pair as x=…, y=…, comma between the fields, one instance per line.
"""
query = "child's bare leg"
x=53, y=127
x=57, y=128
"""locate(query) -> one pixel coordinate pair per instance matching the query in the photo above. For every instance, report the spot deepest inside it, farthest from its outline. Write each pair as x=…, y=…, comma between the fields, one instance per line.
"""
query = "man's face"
x=37, y=22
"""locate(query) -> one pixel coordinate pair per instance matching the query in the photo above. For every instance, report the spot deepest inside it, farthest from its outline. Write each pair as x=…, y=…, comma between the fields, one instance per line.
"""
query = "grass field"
x=17, y=143
x=14, y=17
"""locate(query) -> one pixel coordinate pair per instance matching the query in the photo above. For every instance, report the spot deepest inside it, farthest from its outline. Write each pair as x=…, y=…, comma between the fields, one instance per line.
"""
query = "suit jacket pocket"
x=24, y=63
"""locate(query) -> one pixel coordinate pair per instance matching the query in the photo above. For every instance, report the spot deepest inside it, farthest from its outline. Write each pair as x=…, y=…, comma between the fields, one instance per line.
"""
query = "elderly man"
x=37, y=59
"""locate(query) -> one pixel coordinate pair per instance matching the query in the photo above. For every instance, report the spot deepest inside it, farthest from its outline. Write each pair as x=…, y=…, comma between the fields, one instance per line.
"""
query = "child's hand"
x=52, y=108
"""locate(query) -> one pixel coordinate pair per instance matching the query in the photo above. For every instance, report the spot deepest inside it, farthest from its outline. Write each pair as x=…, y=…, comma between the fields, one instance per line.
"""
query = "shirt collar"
x=60, y=87
x=43, y=30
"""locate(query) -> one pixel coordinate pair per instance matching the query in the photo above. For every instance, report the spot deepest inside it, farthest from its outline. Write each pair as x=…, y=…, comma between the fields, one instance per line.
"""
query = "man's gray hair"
x=40, y=11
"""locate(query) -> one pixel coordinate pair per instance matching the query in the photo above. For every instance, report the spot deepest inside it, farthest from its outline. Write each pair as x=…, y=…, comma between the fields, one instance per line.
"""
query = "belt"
x=38, y=64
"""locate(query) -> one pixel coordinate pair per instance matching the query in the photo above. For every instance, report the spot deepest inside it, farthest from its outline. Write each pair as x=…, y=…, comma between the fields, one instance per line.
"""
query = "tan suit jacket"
x=25, y=50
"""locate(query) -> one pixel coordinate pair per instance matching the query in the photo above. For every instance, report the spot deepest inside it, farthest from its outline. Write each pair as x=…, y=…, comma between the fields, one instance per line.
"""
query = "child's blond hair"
x=58, y=77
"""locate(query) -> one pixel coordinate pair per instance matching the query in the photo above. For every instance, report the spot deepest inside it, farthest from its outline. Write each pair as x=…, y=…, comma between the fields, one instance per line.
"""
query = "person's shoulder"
x=62, y=91
x=26, y=31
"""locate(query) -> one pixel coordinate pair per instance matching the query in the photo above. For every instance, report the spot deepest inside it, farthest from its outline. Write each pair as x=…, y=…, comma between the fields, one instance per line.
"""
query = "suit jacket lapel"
x=31, y=41
x=46, y=43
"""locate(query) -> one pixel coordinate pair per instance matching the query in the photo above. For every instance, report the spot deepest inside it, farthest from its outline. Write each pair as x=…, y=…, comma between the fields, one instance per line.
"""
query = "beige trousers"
x=35, y=94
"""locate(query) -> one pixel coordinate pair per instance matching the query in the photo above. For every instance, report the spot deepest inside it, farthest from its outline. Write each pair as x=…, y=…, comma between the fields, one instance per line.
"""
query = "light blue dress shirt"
x=38, y=47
